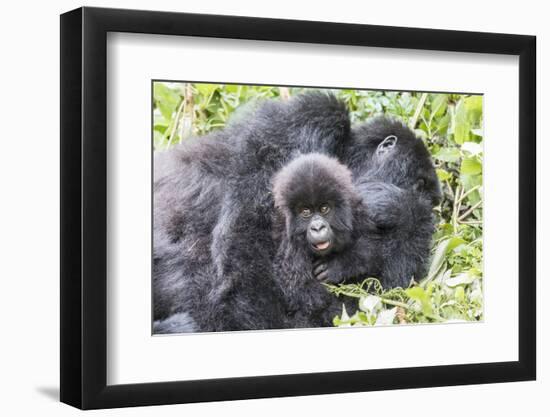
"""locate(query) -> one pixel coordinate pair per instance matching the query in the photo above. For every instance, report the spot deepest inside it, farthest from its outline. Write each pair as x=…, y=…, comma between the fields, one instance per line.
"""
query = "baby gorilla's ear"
x=386, y=145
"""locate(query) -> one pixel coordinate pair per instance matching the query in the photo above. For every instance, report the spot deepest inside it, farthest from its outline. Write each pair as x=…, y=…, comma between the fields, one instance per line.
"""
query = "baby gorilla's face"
x=315, y=220
x=315, y=195
x=321, y=226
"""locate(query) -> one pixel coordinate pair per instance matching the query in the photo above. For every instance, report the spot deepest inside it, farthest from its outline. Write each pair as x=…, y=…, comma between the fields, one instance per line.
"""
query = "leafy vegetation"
x=451, y=126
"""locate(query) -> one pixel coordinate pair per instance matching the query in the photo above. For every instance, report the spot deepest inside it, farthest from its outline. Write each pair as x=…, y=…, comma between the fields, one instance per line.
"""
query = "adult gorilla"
x=213, y=209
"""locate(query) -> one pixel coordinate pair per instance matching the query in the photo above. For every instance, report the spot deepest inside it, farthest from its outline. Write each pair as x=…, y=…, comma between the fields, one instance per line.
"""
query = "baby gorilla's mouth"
x=322, y=245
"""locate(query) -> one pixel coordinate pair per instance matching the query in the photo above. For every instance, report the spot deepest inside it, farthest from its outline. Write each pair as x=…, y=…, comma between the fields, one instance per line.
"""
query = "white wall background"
x=29, y=225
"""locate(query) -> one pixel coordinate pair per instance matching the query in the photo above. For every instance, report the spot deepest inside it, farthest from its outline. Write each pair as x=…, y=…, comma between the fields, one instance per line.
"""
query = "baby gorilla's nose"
x=317, y=226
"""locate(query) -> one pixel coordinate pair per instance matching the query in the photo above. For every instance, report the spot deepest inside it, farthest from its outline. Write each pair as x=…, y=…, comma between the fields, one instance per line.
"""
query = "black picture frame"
x=84, y=207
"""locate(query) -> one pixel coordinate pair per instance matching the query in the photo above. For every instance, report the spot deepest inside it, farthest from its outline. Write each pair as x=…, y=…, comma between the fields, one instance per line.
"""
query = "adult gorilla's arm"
x=394, y=174
x=393, y=236
x=404, y=225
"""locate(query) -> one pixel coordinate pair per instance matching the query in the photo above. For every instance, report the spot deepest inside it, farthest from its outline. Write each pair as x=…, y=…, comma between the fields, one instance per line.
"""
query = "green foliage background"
x=451, y=126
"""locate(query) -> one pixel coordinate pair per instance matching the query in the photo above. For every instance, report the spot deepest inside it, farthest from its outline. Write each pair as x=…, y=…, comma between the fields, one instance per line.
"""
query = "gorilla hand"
x=328, y=271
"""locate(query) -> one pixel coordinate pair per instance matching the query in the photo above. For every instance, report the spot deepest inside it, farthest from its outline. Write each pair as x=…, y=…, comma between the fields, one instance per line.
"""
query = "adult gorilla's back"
x=213, y=212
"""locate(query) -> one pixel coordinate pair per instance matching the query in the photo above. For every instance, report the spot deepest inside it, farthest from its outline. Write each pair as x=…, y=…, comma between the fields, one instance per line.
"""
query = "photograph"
x=291, y=207
x=255, y=206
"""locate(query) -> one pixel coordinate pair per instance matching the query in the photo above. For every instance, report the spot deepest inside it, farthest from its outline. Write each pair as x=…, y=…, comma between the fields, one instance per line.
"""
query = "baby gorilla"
x=329, y=230
x=316, y=205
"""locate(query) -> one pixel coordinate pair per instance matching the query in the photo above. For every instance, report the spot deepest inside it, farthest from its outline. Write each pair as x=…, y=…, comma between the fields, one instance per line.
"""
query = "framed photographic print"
x=257, y=208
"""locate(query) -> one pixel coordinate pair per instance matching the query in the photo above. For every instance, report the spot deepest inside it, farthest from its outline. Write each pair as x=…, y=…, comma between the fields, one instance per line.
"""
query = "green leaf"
x=441, y=251
x=442, y=275
x=448, y=155
x=158, y=139
x=439, y=105
x=472, y=148
x=470, y=166
x=476, y=295
x=461, y=279
x=461, y=123
x=474, y=108
x=344, y=320
x=469, y=182
x=443, y=175
x=421, y=134
x=166, y=99
x=418, y=294
x=207, y=89
x=477, y=132
x=160, y=121
x=467, y=116
x=443, y=124
x=459, y=294
x=363, y=317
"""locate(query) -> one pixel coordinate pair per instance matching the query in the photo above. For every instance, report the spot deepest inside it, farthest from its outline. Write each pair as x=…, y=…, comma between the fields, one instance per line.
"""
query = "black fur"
x=311, y=180
x=386, y=234
x=395, y=176
x=406, y=163
x=177, y=323
x=393, y=236
x=213, y=210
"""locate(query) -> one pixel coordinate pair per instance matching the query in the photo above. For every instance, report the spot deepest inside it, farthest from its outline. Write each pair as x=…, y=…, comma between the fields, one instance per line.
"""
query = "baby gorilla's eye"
x=305, y=212
x=324, y=209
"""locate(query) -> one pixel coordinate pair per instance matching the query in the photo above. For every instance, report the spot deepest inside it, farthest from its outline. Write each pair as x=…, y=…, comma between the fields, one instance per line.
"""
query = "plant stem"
x=176, y=122
x=469, y=211
x=419, y=107
x=348, y=293
x=384, y=300
x=395, y=303
x=284, y=93
x=187, y=128
x=470, y=191
x=456, y=206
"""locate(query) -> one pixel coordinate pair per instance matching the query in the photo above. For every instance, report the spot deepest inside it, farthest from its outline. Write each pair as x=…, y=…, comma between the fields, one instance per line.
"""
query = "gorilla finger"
x=320, y=269
x=318, y=261
x=333, y=279
x=323, y=276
